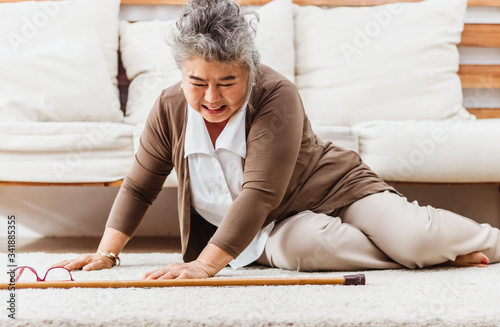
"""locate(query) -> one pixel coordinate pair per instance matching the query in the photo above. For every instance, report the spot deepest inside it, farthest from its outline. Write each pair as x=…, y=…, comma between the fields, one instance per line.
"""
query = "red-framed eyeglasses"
x=52, y=274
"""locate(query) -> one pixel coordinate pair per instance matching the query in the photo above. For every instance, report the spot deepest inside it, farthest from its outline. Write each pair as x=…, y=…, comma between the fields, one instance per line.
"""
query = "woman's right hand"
x=112, y=240
x=87, y=262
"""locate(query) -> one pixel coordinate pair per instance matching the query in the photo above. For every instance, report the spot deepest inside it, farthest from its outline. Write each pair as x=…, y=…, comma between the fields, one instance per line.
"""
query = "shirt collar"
x=232, y=137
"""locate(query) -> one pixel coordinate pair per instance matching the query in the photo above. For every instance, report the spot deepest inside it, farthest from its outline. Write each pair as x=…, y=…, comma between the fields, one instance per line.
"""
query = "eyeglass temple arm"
x=20, y=273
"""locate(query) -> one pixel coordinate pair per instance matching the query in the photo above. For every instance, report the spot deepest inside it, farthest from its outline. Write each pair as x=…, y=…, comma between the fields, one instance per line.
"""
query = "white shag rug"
x=428, y=297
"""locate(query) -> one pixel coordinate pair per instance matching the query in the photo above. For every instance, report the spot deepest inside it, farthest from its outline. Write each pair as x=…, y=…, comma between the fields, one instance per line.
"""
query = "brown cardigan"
x=287, y=169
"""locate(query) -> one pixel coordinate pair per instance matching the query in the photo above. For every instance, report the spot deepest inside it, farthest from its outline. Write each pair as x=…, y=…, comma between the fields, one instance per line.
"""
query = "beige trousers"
x=379, y=231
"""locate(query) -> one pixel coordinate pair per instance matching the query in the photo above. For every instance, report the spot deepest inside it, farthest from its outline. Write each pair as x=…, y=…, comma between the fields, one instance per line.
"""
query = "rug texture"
x=427, y=297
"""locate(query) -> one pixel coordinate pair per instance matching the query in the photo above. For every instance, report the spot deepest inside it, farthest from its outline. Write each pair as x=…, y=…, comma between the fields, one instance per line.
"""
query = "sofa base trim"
x=98, y=184
x=394, y=184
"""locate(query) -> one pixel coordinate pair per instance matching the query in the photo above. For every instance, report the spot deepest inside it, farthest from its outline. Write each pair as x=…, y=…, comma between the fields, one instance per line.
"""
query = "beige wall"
x=79, y=211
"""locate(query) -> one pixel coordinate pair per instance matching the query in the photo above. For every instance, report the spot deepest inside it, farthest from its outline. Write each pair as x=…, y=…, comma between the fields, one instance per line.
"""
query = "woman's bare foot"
x=474, y=259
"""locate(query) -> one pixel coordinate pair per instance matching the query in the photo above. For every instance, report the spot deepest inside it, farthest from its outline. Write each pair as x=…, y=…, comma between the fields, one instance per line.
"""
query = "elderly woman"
x=255, y=183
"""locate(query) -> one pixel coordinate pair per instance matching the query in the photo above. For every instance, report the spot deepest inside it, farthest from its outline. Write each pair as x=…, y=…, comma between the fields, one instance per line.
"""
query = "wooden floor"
x=89, y=245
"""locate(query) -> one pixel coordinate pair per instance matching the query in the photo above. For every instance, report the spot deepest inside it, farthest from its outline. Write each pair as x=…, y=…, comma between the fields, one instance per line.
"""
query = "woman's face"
x=216, y=90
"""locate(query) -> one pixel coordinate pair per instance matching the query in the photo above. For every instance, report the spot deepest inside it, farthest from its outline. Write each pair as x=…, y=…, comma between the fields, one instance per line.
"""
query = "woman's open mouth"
x=214, y=109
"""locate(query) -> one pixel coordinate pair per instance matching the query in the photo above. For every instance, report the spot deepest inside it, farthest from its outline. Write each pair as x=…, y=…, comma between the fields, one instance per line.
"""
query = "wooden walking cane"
x=357, y=279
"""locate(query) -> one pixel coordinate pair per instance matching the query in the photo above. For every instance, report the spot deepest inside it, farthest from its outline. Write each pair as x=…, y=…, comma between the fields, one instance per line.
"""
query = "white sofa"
x=380, y=80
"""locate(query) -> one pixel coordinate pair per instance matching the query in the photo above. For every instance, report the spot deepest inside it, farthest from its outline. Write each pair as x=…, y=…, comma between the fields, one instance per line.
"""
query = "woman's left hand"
x=190, y=270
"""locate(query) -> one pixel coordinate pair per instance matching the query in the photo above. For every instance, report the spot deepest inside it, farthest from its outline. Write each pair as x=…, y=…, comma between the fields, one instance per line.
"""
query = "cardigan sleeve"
x=152, y=164
x=273, y=145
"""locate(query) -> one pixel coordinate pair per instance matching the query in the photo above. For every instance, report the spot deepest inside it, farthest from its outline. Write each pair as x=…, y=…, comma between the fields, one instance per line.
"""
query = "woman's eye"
x=199, y=85
x=226, y=85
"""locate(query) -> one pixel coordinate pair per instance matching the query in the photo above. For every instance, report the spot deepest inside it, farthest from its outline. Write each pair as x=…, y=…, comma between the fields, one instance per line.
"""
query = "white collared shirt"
x=216, y=175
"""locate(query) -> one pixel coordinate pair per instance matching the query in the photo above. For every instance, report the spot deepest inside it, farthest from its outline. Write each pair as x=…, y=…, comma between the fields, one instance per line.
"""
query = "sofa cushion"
x=65, y=152
x=150, y=65
x=341, y=136
x=61, y=82
x=393, y=62
x=451, y=151
x=27, y=27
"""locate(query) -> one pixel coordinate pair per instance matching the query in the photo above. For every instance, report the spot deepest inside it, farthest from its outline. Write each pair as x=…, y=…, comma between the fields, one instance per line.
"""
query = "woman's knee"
x=307, y=243
x=316, y=242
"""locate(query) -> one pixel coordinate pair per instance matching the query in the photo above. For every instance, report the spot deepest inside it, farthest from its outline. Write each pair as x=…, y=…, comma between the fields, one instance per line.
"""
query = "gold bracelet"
x=111, y=256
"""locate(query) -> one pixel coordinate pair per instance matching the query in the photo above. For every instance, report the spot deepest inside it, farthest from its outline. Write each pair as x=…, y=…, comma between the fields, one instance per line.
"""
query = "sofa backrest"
x=479, y=77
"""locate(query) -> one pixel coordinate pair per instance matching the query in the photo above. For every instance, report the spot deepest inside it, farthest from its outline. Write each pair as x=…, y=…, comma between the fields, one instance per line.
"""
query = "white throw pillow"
x=28, y=24
x=395, y=62
x=150, y=65
x=66, y=81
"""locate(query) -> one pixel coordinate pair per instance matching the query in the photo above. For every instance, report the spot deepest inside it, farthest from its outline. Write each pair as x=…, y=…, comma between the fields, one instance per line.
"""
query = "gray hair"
x=216, y=30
